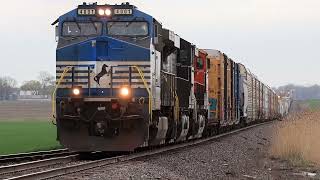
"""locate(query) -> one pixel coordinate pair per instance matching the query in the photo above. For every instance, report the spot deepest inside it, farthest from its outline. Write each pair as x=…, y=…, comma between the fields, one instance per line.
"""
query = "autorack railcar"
x=124, y=82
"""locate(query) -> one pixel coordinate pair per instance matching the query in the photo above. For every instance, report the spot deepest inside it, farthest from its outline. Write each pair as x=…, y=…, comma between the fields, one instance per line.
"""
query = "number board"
x=86, y=12
x=123, y=12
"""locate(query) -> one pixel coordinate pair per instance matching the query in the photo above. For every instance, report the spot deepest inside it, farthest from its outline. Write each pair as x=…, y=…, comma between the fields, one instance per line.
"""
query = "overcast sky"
x=279, y=40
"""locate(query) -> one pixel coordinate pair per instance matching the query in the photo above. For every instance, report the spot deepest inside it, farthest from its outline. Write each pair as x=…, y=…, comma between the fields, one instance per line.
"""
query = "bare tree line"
x=43, y=85
x=7, y=87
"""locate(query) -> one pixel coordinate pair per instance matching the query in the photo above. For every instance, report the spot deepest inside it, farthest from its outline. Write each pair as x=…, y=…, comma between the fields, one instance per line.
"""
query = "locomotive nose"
x=102, y=49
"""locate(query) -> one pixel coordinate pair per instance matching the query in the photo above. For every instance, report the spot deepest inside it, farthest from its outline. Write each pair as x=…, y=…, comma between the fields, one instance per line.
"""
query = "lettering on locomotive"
x=123, y=11
x=86, y=12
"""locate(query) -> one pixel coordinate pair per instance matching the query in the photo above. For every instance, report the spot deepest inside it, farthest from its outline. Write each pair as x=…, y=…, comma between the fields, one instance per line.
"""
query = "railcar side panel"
x=244, y=96
x=216, y=87
x=250, y=98
x=266, y=102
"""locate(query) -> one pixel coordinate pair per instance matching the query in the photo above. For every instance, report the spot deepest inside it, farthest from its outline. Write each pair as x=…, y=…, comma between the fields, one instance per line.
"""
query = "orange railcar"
x=222, y=89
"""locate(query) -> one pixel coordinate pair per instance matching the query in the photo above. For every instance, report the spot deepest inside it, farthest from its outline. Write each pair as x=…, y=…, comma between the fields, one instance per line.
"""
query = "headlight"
x=104, y=12
x=107, y=12
x=124, y=92
x=76, y=91
x=101, y=12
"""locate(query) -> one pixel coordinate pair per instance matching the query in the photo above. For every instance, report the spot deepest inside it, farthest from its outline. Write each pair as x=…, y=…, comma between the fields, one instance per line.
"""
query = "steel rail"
x=33, y=155
x=108, y=161
x=35, y=164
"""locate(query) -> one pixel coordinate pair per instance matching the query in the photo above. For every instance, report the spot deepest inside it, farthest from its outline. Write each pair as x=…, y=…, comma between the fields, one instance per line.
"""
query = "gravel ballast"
x=239, y=156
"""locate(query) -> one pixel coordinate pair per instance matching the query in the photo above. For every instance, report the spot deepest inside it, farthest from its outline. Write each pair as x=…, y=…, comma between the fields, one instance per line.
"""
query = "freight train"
x=125, y=82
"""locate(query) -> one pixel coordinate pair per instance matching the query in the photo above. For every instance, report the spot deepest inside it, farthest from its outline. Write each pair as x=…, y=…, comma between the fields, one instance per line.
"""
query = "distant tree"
x=7, y=87
x=33, y=85
x=301, y=92
x=47, y=82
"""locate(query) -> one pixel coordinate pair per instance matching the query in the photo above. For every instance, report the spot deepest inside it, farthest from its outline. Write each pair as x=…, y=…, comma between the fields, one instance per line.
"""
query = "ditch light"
x=125, y=92
x=77, y=92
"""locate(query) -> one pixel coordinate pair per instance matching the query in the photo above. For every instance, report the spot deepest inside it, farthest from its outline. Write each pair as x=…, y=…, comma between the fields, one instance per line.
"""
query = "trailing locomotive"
x=124, y=82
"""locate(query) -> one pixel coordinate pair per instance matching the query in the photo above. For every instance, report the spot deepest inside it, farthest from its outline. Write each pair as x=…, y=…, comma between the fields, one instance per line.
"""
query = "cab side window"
x=155, y=32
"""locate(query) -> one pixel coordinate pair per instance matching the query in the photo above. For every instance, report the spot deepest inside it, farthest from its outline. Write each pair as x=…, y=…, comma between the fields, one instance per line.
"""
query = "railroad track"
x=56, y=172
x=12, y=158
x=22, y=168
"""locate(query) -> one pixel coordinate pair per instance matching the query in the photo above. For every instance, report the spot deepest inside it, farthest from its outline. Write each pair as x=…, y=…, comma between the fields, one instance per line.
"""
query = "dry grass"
x=297, y=139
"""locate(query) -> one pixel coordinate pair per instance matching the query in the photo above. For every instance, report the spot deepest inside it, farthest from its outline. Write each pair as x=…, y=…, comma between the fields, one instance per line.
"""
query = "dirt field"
x=25, y=110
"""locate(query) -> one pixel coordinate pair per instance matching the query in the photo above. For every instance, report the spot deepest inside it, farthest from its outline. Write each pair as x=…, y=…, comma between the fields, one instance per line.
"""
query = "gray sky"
x=278, y=40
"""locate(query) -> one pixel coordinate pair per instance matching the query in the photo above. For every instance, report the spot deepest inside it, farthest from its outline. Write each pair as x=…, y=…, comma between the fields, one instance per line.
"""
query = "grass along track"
x=22, y=136
x=25, y=127
x=82, y=166
x=313, y=103
x=297, y=139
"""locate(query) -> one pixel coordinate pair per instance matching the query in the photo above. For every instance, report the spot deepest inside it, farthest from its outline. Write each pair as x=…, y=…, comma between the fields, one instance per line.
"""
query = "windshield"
x=81, y=28
x=128, y=28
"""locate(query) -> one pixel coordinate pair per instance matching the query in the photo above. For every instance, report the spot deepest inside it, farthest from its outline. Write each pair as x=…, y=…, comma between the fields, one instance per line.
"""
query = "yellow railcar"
x=222, y=97
x=216, y=88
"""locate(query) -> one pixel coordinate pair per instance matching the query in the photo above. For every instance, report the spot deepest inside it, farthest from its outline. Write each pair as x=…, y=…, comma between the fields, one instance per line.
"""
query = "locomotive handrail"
x=65, y=71
x=177, y=101
x=177, y=106
x=147, y=88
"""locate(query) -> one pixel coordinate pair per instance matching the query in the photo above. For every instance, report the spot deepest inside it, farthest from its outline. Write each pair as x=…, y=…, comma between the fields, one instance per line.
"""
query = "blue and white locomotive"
x=118, y=83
